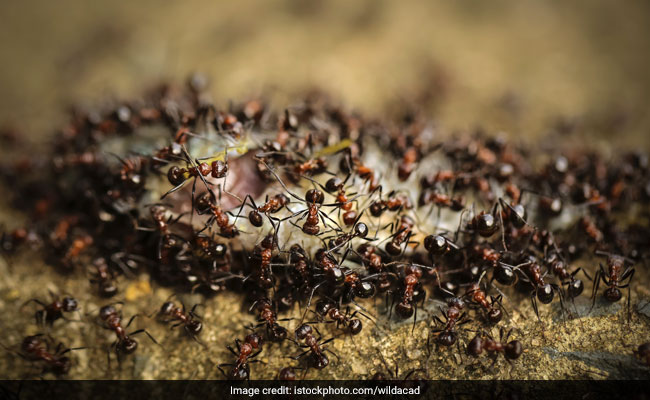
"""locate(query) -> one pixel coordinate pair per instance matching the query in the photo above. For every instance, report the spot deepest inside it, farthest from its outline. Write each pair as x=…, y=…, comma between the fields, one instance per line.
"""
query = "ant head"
x=545, y=293
x=62, y=366
x=447, y=338
x=219, y=169
x=361, y=230
x=486, y=224
x=404, y=310
x=107, y=311
x=435, y=244
x=613, y=294
x=128, y=345
x=494, y=315
x=575, y=288
x=333, y=184
x=194, y=327
x=303, y=331
x=513, y=350
x=254, y=340
x=30, y=343
x=287, y=374
x=70, y=304
x=314, y=196
x=455, y=302
x=277, y=333
x=355, y=326
x=365, y=290
x=255, y=218
x=167, y=307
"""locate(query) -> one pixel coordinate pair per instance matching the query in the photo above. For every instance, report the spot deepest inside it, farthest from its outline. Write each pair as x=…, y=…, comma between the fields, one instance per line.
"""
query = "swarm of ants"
x=294, y=210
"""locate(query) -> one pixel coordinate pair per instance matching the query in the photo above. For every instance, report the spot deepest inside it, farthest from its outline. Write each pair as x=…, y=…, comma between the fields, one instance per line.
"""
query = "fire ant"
x=190, y=321
x=240, y=368
x=268, y=318
x=613, y=278
x=53, y=311
x=124, y=343
x=454, y=317
x=316, y=348
x=511, y=350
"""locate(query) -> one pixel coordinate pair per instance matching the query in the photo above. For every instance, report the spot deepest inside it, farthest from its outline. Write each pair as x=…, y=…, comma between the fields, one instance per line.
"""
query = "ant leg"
x=533, y=299
x=147, y=333
x=594, y=289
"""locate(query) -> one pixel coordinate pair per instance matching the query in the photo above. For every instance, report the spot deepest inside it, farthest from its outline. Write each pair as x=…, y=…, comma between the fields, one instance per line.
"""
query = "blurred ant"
x=288, y=374
x=393, y=375
x=484, y=342
x=240, y=369
x=407, y=163
x=316, y=348
x=163, y=222
x=643, y=352
x=313, y=166
x=124, y=343
x=54, y=310
x=268, y=319
x=613, y=278
x=103, y=277
x=190, y=320
x=351, y=162
x=33, y=349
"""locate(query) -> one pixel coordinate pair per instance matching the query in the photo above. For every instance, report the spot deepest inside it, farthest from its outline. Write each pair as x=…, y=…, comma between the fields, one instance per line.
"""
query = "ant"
x=410, y=293
x=178, y=176
x=190, y=321
x=326, y=307
x=351, y=161
x=559, y=268
x=395, y=202
x=162, y=222
x=478, y=296
x=407, y=164
x=438, y=245
x=381, y=376
x=268, y=318
x=33, y=350
x=511, y=350
x=53, y=311
x=613, y=278
x=240, y=368
x=337, y=185
x=403, y=234
x=360, y=230
x=454, y=317
x=206, y=204
x=124, y=343
x=541, y=290
x=272, y=205
x=103, y=277
x=287, y=374
x=265, y=252
x=316, y=349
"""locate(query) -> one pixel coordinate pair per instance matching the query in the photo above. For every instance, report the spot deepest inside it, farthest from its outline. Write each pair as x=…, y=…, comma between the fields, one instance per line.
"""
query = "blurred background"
x=522, y=67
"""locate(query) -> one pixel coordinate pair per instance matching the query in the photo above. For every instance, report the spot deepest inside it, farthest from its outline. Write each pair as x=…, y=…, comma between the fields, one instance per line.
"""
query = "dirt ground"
x=523, y=68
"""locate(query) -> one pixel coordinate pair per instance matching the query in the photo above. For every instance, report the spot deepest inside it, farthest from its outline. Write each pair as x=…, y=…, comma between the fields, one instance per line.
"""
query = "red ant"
x=454, y=317
x=395, y=202
x=438, y=245
x=270, y=206
x=312, y=167
x=163, y=223
x=268, y=318
x=410, y=293
x=265, y=252
x=240, y=368
x=407, y=163
x=511, y=350
x=360, y=230
x=32, y=349
x=591, y=229
x=178, y=176
x=206, y=204
x=124, y=343
x=335, y=184
x=327, y=308
x=479, y=297
x=351, y=161
x=316, y=348
x=190, y=321
x=53, y=311
x=541, y=290
x=613, y=278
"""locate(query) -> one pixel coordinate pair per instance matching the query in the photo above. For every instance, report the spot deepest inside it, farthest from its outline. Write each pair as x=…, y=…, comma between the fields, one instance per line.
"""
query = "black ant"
x=53, y=311
x=484, y=342
x=32, y=349
x=544, y=292
x=316, y=348
x=206, y=204
x=613, y=278
x=124, y=343
x=190, y=321
x=240, y=369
